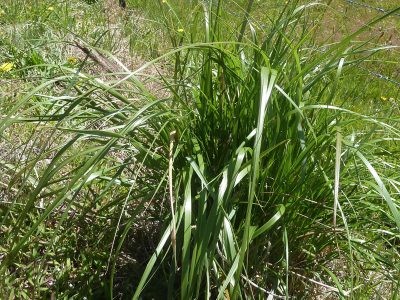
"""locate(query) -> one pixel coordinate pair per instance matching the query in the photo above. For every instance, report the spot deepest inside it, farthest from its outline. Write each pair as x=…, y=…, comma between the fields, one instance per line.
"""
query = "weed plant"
x=242, y=173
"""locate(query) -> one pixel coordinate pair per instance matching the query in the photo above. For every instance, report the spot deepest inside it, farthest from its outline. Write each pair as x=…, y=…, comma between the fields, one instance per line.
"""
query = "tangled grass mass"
x=199, y=149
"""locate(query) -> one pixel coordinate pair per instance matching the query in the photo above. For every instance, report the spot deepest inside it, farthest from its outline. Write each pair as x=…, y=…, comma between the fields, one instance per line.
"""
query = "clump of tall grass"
x=271, y=187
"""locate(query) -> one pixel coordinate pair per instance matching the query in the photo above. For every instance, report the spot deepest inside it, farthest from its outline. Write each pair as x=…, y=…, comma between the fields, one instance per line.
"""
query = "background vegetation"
x=199, y=149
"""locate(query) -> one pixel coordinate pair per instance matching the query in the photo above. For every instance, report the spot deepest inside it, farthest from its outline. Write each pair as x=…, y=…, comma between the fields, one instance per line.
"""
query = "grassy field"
x=199, y=149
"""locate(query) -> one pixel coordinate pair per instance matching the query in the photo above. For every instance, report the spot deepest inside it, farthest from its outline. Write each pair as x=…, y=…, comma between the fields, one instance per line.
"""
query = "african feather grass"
x=276, y=188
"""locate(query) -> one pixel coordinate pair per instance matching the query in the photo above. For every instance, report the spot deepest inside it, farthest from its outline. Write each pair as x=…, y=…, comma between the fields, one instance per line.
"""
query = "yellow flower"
x=383, y=98
x=6, y=67
x=72, y=60
x=181, y=30
x=164, y=1
x=226, y=294
x=50, y=8
x=2, y=12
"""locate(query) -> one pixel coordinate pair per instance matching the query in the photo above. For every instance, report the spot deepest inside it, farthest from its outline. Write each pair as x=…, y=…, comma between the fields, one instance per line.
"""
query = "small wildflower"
x=2, y=12
x=226, y=294
x=180, y=30
x=6, y=67
x=164, y=1
x=72, y=60
x=383, y=98
x=50, y=8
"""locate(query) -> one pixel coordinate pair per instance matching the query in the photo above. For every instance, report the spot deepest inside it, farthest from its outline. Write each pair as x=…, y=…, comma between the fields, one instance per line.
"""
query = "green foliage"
x=280, y=183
